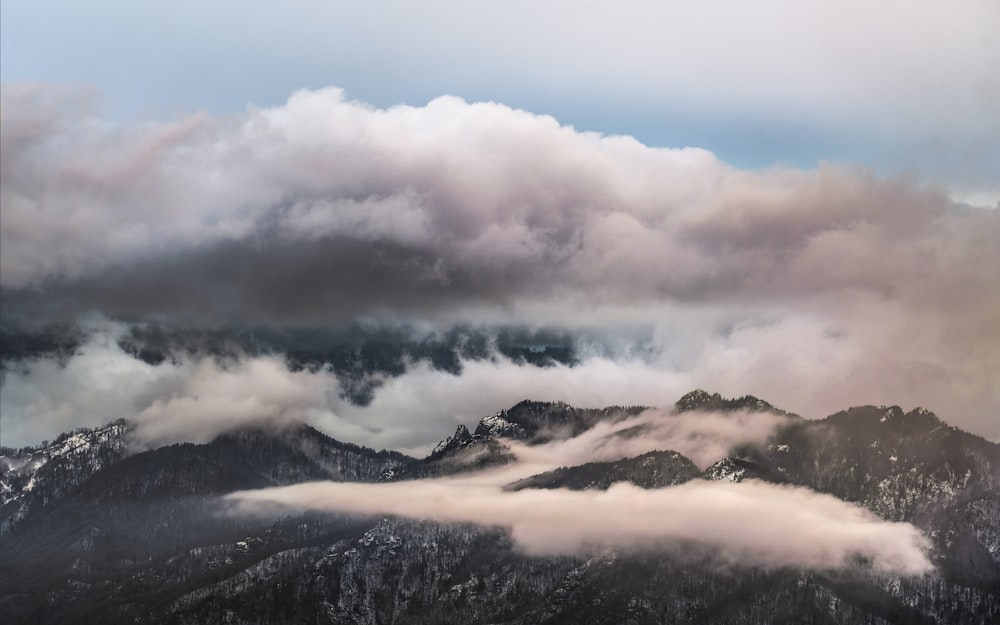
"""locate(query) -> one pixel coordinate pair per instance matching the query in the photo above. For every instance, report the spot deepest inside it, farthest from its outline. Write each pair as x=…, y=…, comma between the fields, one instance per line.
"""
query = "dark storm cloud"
x=333, y=280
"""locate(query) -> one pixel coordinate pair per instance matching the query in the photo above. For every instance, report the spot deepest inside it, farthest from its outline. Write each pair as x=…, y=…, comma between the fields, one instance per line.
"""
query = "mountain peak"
x=539, y=421
x=497, y=425
x=699, y=399
x=696, y=399
x=535, y=405
x=458, y=439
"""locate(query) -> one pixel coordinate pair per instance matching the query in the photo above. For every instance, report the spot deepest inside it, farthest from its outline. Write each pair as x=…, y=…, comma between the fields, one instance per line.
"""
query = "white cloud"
x=752, y=523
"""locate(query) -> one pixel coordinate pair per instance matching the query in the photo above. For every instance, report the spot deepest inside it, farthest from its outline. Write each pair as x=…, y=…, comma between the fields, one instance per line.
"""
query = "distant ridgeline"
x=90, y=532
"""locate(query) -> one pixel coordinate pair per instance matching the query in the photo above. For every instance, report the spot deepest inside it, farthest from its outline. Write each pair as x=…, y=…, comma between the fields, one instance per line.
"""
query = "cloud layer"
x=477, y=203
x=815, y=289
x=752, y=523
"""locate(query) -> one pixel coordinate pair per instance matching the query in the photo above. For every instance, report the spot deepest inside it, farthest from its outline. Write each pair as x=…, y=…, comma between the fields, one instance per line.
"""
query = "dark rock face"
x=91, y=533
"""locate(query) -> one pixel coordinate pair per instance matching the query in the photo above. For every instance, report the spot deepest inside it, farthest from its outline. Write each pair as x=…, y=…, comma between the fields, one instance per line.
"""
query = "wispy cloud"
x=702, y=437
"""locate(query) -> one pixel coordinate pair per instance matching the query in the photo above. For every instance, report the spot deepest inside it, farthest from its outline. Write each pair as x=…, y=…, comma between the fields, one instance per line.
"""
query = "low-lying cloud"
x=195, y=397
x=750, y=523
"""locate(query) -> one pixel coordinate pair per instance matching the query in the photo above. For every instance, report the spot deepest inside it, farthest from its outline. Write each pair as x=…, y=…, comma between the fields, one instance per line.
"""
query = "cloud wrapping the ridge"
x=749, y=523
x=702, y=437
x=814, y=289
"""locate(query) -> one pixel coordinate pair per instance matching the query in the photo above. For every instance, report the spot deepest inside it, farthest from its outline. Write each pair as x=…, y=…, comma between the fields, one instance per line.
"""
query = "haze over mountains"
x=542, y=513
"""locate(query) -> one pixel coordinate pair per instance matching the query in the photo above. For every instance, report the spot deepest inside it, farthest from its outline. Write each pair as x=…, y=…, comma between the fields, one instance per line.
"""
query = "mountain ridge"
x=150, y=531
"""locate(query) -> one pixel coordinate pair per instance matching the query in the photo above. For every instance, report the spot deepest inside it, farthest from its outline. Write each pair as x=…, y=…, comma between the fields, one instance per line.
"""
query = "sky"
x=905, y=87
x=796, y=200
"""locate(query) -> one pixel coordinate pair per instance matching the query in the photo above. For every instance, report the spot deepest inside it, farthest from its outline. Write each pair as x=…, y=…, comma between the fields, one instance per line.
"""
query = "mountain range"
x=95, y=529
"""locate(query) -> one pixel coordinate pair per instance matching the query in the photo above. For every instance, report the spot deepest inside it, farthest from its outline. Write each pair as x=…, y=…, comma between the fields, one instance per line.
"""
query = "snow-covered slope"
x=33, y=477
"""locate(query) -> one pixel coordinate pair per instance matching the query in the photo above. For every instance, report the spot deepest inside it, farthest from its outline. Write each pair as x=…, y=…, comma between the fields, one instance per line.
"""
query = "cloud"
x=815, y=289
x=761, y=82
x=193, y=400
x=478, y=203
x=195, y=397
x=750, y=523
x=797, y=365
